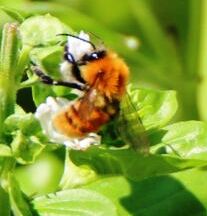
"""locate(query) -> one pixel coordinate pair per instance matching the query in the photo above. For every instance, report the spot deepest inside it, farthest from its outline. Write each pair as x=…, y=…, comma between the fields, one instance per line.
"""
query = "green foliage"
x=131, y=164
x=18, y=204
x=27, y=142
x=75, y=202
x=41, y=177
x=187, y=142
x=175, y=194
x=106, y=179
x=156, y=108
x=46, y=30
x=75, y=176
x=4, y=203
x=13, y=14
x=5, y=151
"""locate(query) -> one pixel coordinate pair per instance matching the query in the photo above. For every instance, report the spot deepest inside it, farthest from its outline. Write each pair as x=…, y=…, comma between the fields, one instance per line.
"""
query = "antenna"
x=70, y=35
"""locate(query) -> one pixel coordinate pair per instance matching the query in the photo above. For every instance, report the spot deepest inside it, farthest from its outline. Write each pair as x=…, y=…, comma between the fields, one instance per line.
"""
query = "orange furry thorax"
x=109, y=75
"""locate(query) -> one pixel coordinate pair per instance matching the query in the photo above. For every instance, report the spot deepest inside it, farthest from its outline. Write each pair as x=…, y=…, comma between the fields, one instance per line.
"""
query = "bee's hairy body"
x=101, y=78
x=106, y=79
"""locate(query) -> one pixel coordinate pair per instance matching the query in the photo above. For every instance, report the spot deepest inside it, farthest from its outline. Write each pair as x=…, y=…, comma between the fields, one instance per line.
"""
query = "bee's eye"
x=93, y=56
x=68, y=57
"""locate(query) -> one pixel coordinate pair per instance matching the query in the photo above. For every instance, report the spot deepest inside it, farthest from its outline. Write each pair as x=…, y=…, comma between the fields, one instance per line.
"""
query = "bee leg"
x=50, y=81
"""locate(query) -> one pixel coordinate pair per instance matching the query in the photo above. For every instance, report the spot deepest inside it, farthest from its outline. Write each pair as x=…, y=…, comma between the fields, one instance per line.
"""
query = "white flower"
x=79, y=47
x=45, y=113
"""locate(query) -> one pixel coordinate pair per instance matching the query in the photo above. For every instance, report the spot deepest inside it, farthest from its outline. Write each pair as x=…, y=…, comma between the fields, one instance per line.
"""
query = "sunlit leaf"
x=5, y=151
x=42, y=176
x=42, y=30
x=75, y=176
x=74, y=202
x=156, y=108
x=13, y=14
x=27, y=137
x=18, y=204
x=185, y=139
x=49, y=58
x=26, y=149
x=130, y=126
x=27, y=123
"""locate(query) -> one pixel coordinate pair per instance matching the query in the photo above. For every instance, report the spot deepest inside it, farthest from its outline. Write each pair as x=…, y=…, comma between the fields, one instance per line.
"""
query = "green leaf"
x=40, y=92
x=42, y=30
x=131, y=164
x=18, y=204
x=5, y=151
x=186, y=139
x=75, y=176
x=49, y=58
x=74, y=202
x=182, y=193
x=27, y=123
x=41, y=177
x=26, y=148
x=13, y=14
x=117, y=188
x=27, y=137
x=156, y=108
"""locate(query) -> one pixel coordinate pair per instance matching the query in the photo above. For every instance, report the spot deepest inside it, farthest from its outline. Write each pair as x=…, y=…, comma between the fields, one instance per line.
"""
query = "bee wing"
x=130, y=126
x=86, y=106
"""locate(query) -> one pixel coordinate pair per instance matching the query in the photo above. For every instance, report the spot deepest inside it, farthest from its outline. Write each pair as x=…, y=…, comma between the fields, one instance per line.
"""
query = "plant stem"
x=202, y=63
x=28, y=83
x=8, y=165
x=193, y=38
x=8, y=61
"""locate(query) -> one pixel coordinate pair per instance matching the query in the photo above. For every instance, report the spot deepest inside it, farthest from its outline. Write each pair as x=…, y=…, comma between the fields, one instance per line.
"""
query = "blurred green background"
x=163, y=42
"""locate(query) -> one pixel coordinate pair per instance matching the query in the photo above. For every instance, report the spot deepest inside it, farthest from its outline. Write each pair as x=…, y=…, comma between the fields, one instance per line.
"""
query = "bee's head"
x=81, y=49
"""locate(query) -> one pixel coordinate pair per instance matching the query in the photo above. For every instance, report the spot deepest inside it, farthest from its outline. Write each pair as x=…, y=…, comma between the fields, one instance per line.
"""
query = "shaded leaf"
x=131, y=164
x=4, y=203
x=182, y=193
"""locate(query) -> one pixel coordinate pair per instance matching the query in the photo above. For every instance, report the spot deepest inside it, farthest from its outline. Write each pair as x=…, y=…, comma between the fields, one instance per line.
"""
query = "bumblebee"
x=100, y=74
